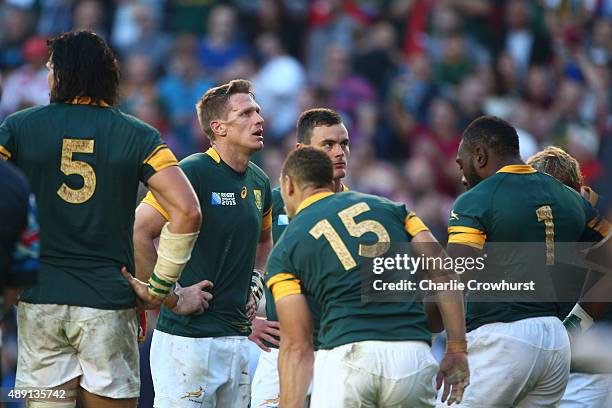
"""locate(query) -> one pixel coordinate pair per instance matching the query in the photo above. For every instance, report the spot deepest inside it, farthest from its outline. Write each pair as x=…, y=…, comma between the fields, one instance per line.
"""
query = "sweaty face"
x=465, y=161
x=334, y=141
x=244, y=124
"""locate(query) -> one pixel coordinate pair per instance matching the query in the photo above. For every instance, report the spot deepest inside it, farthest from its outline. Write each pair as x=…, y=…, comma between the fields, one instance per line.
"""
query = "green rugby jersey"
x=318, y=255
x=236, y=208
x=519, y=204
x=84, y=164
x=279, y=222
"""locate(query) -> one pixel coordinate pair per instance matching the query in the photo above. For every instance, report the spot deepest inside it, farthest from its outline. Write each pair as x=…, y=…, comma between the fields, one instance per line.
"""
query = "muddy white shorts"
x=58, y=343
x=391, y=374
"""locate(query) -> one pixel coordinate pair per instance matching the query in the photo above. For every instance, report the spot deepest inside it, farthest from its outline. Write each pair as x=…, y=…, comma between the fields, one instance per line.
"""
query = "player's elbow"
x=298, y=345
x=187, y=216
x=147, y=223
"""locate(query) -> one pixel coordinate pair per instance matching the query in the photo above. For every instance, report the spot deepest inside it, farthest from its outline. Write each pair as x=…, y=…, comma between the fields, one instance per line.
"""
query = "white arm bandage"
x=172, y=254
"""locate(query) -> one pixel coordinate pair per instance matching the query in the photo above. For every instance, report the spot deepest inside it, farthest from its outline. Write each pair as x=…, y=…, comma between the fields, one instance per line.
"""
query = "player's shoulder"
x=133, y=122
x=373, y=201
x=482, y=193
x=198, y=160
x=295, y=233
x=258, y=172
x=26, y=114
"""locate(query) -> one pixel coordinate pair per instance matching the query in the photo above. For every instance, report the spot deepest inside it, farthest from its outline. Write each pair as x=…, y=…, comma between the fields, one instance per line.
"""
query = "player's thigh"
x=551, y=370
x=62, y=396
x=106, y=341
x=587, y=391
x=551, y=382
x=343, y=378
x=500, y=370
x=45, y=357
x=236, y=392
x=89, y=400
x=187, y=372
x=408, y=373
x=265, y=387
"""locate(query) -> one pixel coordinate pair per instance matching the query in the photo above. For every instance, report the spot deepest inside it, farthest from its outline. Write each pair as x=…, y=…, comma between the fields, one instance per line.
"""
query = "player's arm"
x=264, y=246
x=600, y=256
x=450, y=303
x=262, y=329
x=175, y=195
x=596, y=294
x=179, y=205
x=454, y=371
x=296, y=355
x=147, y=228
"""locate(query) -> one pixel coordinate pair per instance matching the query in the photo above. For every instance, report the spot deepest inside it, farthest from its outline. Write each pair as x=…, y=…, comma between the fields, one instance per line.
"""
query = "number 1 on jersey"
x=545, y=214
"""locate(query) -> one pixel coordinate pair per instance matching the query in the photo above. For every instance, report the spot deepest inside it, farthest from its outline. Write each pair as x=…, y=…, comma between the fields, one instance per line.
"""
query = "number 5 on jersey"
x=69, y=166
x=355, y=229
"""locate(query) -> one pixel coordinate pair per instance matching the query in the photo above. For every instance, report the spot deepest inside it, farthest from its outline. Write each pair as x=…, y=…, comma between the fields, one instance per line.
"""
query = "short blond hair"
x=213, y=104
x=559, y=164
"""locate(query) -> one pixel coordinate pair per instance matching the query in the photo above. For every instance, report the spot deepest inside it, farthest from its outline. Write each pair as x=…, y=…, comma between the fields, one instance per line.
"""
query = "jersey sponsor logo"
x=192, y=395
x=223, y=199
x=258, y=199
x=243, y=192
x=283, y=219
x=454, y=215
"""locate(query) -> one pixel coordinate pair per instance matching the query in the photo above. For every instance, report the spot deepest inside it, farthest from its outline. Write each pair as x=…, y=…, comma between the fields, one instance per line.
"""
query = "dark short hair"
x=213, y=104
x=309, y=167
x=313, y=118
x=495, y=133
x=83, y=65
x=559, y=164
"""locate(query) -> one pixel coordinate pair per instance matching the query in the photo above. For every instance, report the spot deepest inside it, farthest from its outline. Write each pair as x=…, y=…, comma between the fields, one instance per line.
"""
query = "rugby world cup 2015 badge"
x=258, y=199
x=222, y=199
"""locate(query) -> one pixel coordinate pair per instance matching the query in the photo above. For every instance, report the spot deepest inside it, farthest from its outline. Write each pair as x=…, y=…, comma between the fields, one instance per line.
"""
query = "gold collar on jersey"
x=86, y=100
x=313, y=199
x=517, y=169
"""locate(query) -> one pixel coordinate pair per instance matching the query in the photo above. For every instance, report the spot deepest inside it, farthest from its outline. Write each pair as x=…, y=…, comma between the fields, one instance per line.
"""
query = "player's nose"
x=258, y=118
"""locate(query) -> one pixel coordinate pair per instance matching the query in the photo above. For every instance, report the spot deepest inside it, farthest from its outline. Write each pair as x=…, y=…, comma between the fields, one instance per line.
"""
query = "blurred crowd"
x=406, y=75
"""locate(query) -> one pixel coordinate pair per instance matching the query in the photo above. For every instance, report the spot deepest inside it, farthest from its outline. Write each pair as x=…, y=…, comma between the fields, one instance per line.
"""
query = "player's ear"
x=481, y=156
x=299, y=145
x=290, y=185
x=218, y=127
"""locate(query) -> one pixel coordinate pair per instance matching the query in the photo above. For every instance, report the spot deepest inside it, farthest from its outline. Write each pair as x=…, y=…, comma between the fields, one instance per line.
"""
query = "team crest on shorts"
x=270, y=403
x=194, y=396
x=258, y=200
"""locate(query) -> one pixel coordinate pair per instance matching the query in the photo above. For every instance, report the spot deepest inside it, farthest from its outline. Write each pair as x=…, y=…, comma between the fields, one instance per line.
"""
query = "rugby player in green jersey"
x=203, y=360
x=370, y=354
x=589, y=385
x=84, y=160
x=321, y=128
x=518, y=351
